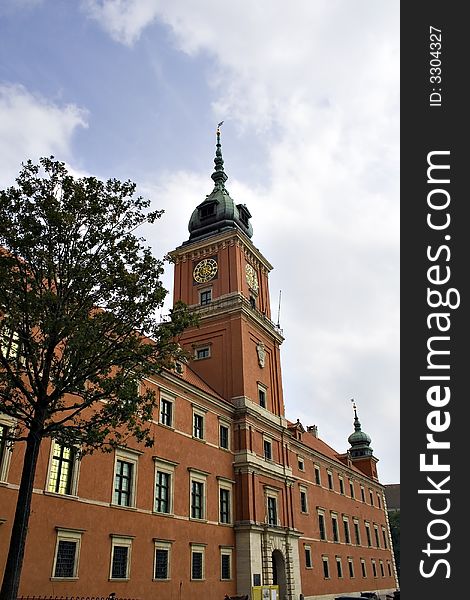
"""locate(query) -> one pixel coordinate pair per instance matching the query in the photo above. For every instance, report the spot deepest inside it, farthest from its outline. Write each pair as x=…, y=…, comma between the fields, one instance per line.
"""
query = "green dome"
x=219, y=212
x=359, y=440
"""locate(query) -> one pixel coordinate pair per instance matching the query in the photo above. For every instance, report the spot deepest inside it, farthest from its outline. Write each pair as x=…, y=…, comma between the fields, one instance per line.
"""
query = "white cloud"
x=31, y=127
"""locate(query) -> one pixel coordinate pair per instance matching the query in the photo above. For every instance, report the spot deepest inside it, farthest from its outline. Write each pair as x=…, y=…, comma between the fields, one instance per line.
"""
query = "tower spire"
x=219, y=176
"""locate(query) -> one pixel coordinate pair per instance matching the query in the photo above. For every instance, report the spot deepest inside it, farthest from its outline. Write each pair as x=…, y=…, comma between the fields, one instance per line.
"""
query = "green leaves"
x=81, y=293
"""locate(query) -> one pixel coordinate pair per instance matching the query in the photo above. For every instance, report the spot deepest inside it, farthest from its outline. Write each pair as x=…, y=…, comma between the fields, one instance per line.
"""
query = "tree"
x=78, y=298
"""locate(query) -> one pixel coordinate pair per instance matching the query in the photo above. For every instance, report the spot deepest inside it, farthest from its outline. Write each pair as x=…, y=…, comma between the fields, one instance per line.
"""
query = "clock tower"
x=221, y=275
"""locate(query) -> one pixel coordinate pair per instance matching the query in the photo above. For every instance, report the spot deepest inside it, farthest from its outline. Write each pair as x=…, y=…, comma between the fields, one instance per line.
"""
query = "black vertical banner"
x=435, y=428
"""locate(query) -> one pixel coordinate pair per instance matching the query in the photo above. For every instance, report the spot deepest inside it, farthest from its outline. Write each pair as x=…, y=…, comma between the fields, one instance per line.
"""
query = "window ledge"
x=64, y=579
x=120, y=507
x=58, y=495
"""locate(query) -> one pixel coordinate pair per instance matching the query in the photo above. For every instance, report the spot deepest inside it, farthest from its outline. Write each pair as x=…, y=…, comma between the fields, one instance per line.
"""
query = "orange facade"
x=232, y=494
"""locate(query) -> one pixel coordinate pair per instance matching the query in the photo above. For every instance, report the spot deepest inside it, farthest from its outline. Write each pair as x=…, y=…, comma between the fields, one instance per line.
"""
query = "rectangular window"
x=357, y=534
x=166, y=412
x=123, y=483
x=262, y=397
x=317, y=475
x=382, y=572
x=205, y=297
x=339, y=567
x=224, y=437
x=326, y=567
x=330, y=481
x=374, y=568
x=120, y=557
x=379, y=501
x=224, y=505
x=308, y=557
x=5, y=450
x=197, y=563
x=162, y=560
x=198, y=426
x=363, y=496
x=226, y=564
x=371, y=496
x=67, y=554
x=321, y=524
x=197, y=500
x=161, y=563
x=376, y=533
x=351, y=567
x=272, y=510
x=334, y=523
x=389, y=568
x=363, y=568
x=62, y=469
x=202, y=353
x=301, y=464
x=341, y=486
x=369, y=542
x=384, y=536
x=162, y=492
x=347, y=537
x=268, y=450
x=303, y=501
x=351, y=489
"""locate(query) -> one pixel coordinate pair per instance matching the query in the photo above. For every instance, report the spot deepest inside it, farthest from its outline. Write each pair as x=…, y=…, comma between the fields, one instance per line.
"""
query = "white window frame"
x=363, y=568
x=308, y=549
x=270, y=442
x=170, y=400
x=168, y=467
x=262, y=388
x=198, y=548
x=347, y=536
x=331, y=481
x=334, y=519
x=368, y=535
x=377, y=536
x=199, y=477
x=75, y=465
x=132, y=457
x=341, y=485
x=226, y=484
x=352, y=491
x=273, y=494
x=357, y=530
x=198, y=349
x=382, y=570
x=303, y=490
x=202, y=291
x=226, y=552
x=121, y=540
x=325, y=560
x=5, y=457
x=317, y=470
x=200, y=412
x=374, y=568
x=162, y=545
x=339, y=567
x=226, y=424
x=363, y=494
x=321, y=513
x=301, y=463
x=68, y=535
x=351, y=570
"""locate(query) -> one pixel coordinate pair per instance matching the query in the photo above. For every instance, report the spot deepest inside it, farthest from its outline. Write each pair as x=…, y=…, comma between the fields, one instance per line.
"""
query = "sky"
x=309, y=95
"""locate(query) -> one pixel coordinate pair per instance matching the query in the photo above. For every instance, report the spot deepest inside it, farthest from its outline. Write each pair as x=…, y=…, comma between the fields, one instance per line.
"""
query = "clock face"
x=251, y=277
x=205, y=270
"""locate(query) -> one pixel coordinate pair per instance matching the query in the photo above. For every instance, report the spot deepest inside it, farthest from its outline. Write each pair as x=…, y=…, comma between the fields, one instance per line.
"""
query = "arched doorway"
x=279, y=573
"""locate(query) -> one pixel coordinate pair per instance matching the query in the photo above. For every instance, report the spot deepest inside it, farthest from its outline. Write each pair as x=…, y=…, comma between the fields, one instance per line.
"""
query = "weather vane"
x=218, y=127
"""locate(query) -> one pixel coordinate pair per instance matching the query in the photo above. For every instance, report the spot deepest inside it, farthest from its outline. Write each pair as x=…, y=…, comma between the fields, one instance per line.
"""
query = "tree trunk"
x=14, y=564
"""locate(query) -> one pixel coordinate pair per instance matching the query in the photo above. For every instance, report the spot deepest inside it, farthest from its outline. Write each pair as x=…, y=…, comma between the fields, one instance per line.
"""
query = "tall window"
x=120, y=557
x=123, y=483
x=317, y=475
x=351, y=567
x=262, y=397
x=334, y=523
x=226, y=564
x=363, y=568
x=5, y=450
x=162, y=492
x=224, y=505
x=369, y=542
x=382, y=572
x=197, y=563
x=67, y=554
x=162, y=560
x=198, y=426
x=321, y=525
x=371, y=496
x=351, y=489
x=166, y=412
x=330, y=480
x=62, y=469
x=308, y=557
x=303, y=501
x=341, y=486
x=197, y=500
x=363, y=495
x=339, y=567
x=379, y=502
x=376, y=533
x=347, y=537
x=224, y=436
x=326, y=567
x=357, y=535
x=384, y=536
x=374, y=567
x=268, y=449
x=272, y=510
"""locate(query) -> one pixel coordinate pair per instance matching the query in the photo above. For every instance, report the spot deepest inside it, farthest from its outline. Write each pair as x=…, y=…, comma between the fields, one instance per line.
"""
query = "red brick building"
x=232, y=494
